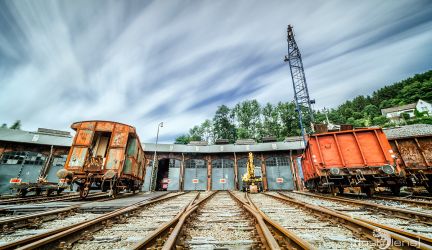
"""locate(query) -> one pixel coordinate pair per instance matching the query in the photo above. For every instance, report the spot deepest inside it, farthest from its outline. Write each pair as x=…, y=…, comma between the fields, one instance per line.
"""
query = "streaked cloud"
x=141, y=62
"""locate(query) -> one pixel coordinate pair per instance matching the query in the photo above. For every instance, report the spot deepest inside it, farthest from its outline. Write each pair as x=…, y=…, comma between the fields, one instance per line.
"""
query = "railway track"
x=409, y=224
x=212, y=220
x=409, y=203
x=214, y=226
x=41, y=227
x=222, y=221
x=320, y=231
x=41, y=199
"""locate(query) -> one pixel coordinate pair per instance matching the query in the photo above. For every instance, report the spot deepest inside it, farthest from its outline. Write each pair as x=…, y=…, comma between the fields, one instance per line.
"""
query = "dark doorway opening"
x=162, y=175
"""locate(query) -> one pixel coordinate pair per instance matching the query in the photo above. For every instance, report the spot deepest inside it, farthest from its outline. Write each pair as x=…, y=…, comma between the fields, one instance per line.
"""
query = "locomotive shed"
x=221, y=167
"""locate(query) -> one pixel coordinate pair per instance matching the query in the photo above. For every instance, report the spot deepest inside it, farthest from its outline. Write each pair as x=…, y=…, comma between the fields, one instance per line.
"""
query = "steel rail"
x=400, y=212
x=269, y=242
x=284, y=236
x=409, y=201
x=172, y=239
x=9, y=224
x=390, y=198
x=156, y=238
x=44, y=199
x=49, y=238
x=364, y=227
x=421, y=238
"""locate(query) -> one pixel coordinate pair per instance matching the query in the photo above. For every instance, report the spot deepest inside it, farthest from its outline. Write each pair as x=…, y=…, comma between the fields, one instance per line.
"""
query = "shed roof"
x=415, y=130
x=20, y=136
x=399, y=108
x=226, y=148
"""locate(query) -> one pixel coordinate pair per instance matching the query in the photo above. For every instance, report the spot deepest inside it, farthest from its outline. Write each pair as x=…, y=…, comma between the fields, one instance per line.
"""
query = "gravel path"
x=221, y=223
x=320, y=233
x=360, y=212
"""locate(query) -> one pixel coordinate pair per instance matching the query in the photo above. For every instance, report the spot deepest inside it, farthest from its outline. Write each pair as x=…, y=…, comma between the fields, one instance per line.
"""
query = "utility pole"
x=301, y=93
x=154, y=165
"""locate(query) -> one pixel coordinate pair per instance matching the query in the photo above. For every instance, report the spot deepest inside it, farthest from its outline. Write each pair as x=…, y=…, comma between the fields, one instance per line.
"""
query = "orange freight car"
x=104, y=156
x=352, y=158
x=413, y=148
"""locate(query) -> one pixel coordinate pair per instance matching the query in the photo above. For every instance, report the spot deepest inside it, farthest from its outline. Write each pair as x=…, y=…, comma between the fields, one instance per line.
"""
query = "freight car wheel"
x=369, y=191
x=38, y=191
x=341, y=190
x=22, y=192
x=84, y=191
x=395, y=190
x=49, y=192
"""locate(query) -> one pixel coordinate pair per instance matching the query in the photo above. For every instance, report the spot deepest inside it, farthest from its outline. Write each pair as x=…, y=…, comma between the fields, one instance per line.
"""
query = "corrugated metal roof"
x=415, y=130
x=226, y=148
x=14, y=135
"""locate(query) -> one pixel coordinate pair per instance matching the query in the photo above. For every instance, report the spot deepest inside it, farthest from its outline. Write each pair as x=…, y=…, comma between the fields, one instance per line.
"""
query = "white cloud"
x=143, y=62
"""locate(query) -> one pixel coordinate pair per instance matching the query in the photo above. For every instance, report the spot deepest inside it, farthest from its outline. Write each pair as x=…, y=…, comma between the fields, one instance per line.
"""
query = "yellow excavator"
x=251, y=183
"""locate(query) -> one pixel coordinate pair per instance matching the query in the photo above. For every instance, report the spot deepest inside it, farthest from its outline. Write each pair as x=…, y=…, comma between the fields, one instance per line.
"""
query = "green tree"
x=183, y=139
x=405, y=116
x=288, y=120
x=4, y=125
x=371, y=111
x=247, y=115
x=379, y=121
x=223, y=126
x=270, y=125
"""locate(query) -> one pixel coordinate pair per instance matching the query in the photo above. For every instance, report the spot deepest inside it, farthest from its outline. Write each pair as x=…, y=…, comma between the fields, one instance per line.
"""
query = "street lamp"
x=155, y=166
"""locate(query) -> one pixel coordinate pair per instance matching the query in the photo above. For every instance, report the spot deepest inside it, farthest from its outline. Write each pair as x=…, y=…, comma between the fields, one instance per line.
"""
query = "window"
x=196, y=163
x=100, y=144
x=222, y=163
x=173, y=163
x=242, y=163
x=23, y=157
x=277, y=161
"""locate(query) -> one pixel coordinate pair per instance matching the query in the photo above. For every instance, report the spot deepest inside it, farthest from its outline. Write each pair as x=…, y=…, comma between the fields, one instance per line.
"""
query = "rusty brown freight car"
x=104, y=156
x=412, y=146
x=361, y=158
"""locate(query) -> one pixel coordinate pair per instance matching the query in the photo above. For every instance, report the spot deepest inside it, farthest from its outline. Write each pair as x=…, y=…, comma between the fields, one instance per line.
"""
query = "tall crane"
x=301, y=93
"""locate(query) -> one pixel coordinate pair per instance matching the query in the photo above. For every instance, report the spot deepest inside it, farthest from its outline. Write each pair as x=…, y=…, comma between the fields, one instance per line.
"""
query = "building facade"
x=395, y=114
x=221, y=167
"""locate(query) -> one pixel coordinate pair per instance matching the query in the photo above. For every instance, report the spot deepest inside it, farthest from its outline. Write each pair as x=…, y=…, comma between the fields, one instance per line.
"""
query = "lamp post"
x=155, y=166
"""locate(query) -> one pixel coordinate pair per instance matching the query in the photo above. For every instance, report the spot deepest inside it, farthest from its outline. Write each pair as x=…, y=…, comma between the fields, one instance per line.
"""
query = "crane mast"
x=301, y=92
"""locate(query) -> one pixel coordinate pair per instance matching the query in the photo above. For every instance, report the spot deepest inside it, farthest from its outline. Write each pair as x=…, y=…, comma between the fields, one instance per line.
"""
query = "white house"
x=395, y=113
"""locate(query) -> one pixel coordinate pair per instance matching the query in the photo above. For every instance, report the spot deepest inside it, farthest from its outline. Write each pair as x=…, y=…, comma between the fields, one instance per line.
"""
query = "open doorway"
x=162, y=175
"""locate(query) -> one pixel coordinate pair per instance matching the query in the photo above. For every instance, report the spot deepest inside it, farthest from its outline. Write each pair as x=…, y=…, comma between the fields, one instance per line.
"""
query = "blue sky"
x=141, y=62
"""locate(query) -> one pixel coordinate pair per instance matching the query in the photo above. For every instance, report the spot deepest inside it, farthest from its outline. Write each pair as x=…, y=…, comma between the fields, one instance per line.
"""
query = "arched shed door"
x=195, y=175
x=242, y=165
x=223, y=174
x=279, y=174
x=174, y=175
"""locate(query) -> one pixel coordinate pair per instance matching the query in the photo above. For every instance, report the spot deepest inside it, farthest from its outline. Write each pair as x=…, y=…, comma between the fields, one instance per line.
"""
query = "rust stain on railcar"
x=413, y=152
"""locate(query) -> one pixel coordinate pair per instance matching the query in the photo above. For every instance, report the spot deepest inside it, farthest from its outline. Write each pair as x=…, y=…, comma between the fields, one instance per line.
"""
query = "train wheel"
x=59, y=191
x=369, y=191
x=341, y=190
x=49, y=192
x=38, y=191
x=22, y=192
x=395, y=190
x=429, y=188
x=84, y=191
x=332, y=190
x=114, y=192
